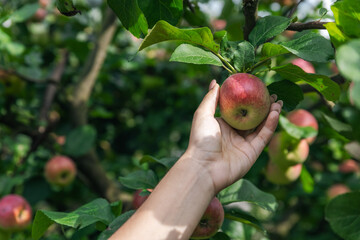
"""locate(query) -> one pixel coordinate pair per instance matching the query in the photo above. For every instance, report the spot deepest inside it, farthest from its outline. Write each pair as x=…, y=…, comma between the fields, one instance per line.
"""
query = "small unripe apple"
x=15, y=213
x=303, y=118
x=60, y=171
x=285, y=151
x=304, y=65
x=138, y=200
x=337, y=189
x=278, y=175
x=244, y=101
x=211, y=221
x=349, y=166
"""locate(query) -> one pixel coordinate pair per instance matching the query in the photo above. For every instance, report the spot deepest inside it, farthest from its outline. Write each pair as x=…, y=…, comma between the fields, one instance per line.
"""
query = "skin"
x=216, y=157
x=286, y=153
x=304, y=65
x=244, y=101
x=15, y=213
x=60, y=171
x=277, y=175
x=303, y=118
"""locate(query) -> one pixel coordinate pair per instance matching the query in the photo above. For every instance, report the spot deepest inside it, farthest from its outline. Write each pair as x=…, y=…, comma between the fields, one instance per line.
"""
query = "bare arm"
x=216, y=157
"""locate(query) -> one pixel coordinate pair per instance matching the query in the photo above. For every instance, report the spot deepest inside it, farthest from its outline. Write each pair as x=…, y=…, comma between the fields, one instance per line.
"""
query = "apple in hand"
x=304, y=65
x=286, y=151
x=138, y=200
x=278, y=175
x=303, y=118
x=210, y=222
x=244, y=101
x=15, y=213
x=60, y=171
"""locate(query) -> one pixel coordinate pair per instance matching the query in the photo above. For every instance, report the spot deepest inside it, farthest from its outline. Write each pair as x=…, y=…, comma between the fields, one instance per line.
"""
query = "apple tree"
x=98, y=97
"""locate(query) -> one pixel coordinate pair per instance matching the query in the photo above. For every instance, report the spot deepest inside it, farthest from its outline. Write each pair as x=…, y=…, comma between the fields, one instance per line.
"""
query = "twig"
x=22, y=77
x=291, y=12
x=305, y=26
x=250, y=13
x=188, y=3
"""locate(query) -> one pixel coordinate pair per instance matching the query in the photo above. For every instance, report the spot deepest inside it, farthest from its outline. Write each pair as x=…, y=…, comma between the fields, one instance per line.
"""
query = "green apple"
x=282, y=176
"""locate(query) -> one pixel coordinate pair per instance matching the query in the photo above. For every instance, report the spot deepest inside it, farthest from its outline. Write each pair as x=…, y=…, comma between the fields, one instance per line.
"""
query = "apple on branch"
x=139, y=198
x=286, y=151
x=60, y=171
x=303, y=118
x=15, y=213
x=278, y=175
x=304, y=65
x=244, y=101
x=337, y=189
x=210, y=222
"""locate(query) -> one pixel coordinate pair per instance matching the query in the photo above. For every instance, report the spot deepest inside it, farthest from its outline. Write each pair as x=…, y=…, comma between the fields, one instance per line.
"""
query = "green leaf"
x=237, y=214
x=140, y=180
x=323, y=12
x=328, y=88
x=167, y=10
x=130, y=15
x=347, y=17
x=243, y=190
x=167, y=162
x=348, y=60
x=311, y=47
x=116, y=208
x=80, y=140
x=272, y=50
x=306, y=180
x=190, y=54
x=24, y=13
x=163, y=31
x=289, y=92
x=296, y=131
x=268, y=27
x=337, y=125
x=343, y=214
x=354, y=92
x=336, y=35
x=66, y=7
x=115, y=225
x=98, y=210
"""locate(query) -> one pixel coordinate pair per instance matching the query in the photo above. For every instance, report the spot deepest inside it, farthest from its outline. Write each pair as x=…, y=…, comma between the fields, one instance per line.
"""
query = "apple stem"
x=228, y=66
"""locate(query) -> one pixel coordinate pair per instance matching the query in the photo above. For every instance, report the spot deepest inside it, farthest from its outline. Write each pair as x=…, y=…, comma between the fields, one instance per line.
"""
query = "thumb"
x=209, y=103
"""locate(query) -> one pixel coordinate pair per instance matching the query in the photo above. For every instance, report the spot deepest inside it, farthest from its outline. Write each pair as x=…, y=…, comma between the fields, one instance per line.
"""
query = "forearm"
x=175, y=207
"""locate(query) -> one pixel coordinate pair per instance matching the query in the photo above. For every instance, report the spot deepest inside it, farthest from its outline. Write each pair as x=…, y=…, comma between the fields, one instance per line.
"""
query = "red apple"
x=349, y=166
x=304, y=65
x=218, y=24
x=303, y=118
x=278, y=175
x=337, y=189
x=285, y=151
x=60, y=171
x=138, y=200
x=244, y=101
x=210, y=222
x=44, y=3
x=40, y=14
x=15, y=213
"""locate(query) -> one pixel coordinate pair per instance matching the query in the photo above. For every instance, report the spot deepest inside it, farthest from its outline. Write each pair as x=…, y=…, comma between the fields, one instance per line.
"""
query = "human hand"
x=226, y=153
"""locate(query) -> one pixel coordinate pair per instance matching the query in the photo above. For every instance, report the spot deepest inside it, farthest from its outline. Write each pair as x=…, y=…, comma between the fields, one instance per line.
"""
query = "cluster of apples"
x=209, y=224
x=15, y=210
x=286, y=153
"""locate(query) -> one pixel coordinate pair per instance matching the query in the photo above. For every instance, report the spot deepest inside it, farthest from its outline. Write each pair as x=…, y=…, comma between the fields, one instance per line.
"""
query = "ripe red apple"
x=337, y=189
x=285, y=151
x=15, y=213
x=277, y=175
x=60, y=171
x=210, y=222
x=138, y=200
x=304, y=65
x=349, y=166
x=218, y=24
x=303, y=118
x=244, y=101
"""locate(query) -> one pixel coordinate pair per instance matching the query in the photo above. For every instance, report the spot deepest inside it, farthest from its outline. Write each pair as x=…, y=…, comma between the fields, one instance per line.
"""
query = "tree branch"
x=250, y=13
x=292, y=10
x=305, y=26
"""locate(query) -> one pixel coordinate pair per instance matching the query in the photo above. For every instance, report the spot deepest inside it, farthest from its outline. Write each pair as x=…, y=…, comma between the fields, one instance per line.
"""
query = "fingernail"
x=280, y=102
x=274, y=96
x=212, y=84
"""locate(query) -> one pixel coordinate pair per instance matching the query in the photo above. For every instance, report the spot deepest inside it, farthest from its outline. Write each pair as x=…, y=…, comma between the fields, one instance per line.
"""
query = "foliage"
x=139, y=112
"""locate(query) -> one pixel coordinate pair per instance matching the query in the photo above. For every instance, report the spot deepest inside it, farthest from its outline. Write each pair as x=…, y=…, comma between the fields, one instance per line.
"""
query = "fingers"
x=209, y=103
x=264, y=133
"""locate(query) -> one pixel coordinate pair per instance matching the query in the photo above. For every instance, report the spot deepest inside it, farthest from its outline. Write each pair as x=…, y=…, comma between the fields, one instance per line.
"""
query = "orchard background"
x=89, y=81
